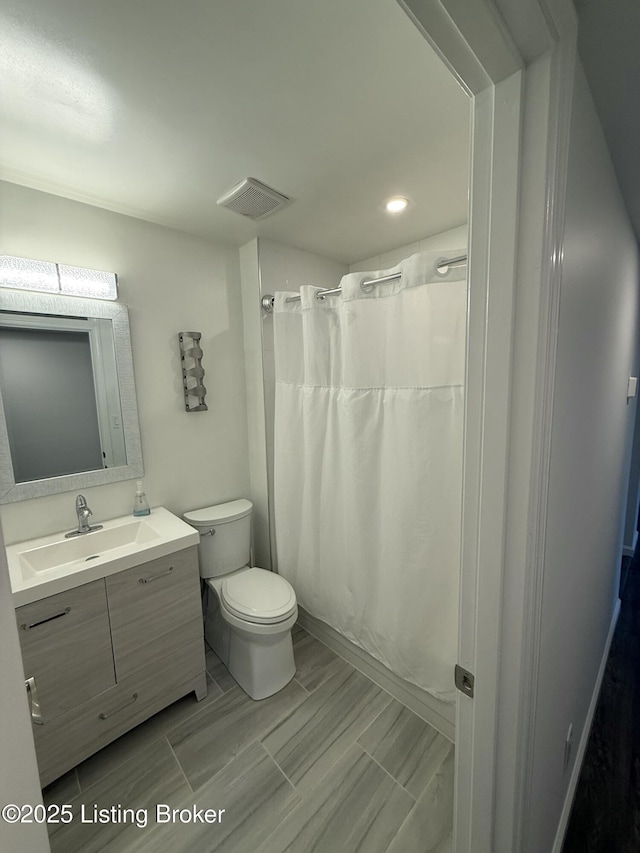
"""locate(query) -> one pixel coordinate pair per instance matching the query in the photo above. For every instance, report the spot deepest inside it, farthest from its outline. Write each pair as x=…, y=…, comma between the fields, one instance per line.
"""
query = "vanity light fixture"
x=396, y=204
x=96, y=284
x=27, y=274
x=23, y=274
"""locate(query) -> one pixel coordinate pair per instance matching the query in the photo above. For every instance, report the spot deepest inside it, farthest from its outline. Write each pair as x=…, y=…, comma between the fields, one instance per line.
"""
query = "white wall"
x=590, y=456
x=454, y=238
x=171, y=282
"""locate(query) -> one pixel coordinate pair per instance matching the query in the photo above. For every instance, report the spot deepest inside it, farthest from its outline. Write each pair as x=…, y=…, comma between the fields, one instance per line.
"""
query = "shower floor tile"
x=331, y=763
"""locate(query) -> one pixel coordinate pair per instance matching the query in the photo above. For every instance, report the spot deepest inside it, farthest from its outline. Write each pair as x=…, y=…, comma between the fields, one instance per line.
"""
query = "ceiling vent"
x=253, y=199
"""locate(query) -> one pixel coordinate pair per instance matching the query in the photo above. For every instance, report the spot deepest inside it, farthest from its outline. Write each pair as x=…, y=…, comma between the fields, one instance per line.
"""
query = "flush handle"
x=210, y=532
x=156, y=577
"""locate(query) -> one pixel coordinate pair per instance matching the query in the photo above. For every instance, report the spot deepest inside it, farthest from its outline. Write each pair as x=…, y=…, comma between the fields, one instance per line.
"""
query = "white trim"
x=584, y=738
x=438, y=714
x=512, y=703
x=472, y=39
x=561, y=79
x=492, y=465
x=492, y=245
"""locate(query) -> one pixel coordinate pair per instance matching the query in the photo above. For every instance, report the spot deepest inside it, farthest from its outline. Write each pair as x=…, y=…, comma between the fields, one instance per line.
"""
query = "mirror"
x=68, y=412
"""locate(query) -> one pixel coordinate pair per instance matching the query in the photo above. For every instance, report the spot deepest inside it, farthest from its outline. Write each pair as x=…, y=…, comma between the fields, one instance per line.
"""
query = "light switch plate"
x=632, y=387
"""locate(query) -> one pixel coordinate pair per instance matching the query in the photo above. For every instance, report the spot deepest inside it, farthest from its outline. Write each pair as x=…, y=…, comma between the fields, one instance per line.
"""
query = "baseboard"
x=439, y=714
x=582, y=747
x=630, y=550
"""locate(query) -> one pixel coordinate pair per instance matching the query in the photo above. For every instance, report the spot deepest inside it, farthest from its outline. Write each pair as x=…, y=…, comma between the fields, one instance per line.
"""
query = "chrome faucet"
x=84, y=513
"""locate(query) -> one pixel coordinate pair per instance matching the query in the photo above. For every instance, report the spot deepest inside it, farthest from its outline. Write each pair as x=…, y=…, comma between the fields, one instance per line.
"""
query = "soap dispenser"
x=140, y=503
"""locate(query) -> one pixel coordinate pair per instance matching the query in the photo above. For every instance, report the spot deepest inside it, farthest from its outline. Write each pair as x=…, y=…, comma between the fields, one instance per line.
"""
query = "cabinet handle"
x=156, y=577
x=104, y=716
x=36, y=713
x=44, y=621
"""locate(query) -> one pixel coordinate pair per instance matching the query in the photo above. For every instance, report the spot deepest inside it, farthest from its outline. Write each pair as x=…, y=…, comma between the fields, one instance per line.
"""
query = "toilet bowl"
x=249, y=611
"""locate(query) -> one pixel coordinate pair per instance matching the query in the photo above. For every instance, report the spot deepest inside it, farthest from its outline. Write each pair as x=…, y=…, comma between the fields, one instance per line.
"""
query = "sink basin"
x=51, y=564
x=57, y=555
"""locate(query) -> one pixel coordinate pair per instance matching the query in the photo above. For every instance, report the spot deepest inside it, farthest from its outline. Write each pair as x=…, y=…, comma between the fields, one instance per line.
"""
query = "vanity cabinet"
x=152, y=607
x=66, y=648
x=104, y=656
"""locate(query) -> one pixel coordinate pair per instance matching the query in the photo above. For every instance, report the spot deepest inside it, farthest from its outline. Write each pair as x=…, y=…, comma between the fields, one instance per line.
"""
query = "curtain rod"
x=268, y=300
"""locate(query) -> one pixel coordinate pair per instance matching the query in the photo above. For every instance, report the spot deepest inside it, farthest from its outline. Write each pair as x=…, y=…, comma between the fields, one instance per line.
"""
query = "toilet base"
x=260, y=658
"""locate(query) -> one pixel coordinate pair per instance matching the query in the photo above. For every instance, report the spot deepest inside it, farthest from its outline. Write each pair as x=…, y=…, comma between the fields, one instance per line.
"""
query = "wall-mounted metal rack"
x=192, y=371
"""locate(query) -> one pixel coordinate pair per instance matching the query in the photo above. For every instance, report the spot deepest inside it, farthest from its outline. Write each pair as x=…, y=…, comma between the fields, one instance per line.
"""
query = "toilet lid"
x=258, y=596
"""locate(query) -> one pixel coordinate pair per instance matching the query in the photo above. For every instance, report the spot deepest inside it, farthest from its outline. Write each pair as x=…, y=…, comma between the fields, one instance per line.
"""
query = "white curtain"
x=368, y=462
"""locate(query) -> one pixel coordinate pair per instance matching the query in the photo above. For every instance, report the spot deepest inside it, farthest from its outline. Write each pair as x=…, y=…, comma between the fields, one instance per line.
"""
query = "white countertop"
x=50, y=564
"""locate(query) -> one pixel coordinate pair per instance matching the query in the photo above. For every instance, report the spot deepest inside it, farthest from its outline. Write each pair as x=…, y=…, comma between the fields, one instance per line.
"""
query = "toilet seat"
x=256, y=595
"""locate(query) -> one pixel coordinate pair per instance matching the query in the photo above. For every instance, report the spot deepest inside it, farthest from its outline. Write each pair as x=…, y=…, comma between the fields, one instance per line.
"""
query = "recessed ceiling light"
x=396, y=204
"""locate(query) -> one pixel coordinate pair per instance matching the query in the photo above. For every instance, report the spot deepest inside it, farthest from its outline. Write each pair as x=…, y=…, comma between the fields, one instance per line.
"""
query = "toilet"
x=249, y=612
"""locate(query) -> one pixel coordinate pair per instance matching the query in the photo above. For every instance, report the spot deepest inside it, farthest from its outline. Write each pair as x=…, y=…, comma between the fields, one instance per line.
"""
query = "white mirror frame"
x=65, y=306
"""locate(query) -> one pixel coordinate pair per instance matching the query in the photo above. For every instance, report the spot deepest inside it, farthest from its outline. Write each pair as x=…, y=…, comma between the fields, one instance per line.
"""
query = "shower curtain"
x=368, y=462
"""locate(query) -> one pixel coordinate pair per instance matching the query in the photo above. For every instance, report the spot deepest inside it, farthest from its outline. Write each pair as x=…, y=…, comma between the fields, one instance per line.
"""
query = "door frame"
x=516, y=62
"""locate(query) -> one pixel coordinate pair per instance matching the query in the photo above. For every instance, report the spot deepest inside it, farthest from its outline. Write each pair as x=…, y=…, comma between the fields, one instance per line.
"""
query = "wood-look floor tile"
x=407, y=747
x=311, y=738
x=256, y=798
x=430, y=823
x=356, y=807
x=152, y=777
x=315, y=663
x=208, y=741
x=62, y=790
x=218, y=671
x=139, y=738
x=445, y=846
x=298, y=633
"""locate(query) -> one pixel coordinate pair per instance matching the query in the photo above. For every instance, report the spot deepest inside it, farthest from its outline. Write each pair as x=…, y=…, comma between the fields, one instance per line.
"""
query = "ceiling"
x=609, y=45
x=155, y=108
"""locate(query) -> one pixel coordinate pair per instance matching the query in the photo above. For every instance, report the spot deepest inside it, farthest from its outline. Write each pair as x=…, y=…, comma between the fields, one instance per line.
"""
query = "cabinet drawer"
x=66, y=647
x=154, y=609
x=69, y=739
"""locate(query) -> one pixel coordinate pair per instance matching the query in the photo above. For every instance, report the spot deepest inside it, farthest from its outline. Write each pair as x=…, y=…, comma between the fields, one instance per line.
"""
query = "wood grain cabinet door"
x=154, y=609
x=71, y=738
x=66, y=647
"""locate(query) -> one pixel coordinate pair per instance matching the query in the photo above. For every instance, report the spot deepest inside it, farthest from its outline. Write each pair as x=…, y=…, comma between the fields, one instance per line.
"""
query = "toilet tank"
x=225, y=536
